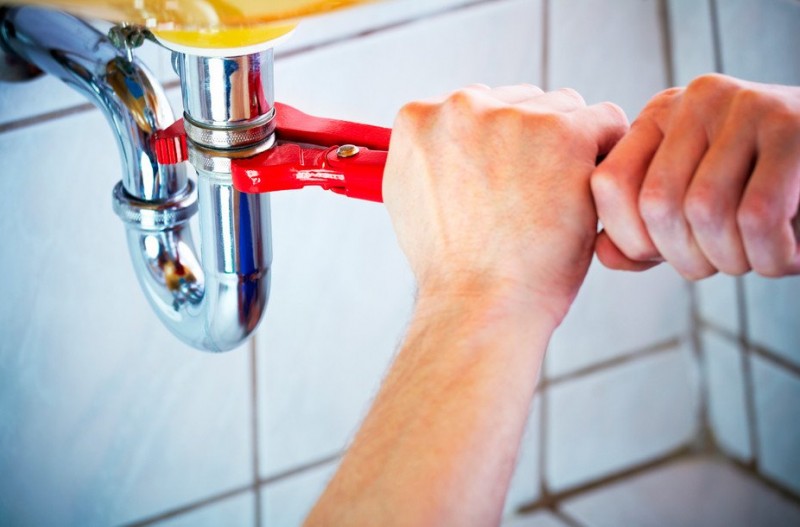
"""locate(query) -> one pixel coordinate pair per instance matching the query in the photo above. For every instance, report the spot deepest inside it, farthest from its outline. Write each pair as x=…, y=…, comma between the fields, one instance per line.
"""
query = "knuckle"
x=414, y=111
x=666, y=97
x=615, y=110
x=533, y=88
x=746, y=101
x=757, y=216
x=702, y=209
x=462, y=97
x=573, y=94
x=768, y=268
x=656, y=208
x=660, y=105
x=697, y=273
x=508, y=119
x=605, y=186
x=477, y=86
x=735, y=269
x=638, y=250
x=710, y=83
x=783, y=124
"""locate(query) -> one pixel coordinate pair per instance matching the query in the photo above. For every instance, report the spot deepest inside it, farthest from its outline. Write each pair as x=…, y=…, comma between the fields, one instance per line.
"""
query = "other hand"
x=708, y=179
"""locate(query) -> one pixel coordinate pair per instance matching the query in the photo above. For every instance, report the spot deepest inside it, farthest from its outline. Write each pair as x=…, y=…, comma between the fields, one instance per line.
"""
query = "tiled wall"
x=106, y=419
x=750, y=339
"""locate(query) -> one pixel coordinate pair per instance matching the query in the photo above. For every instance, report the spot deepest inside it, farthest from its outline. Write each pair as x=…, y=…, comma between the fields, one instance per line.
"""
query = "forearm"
x=439, y=445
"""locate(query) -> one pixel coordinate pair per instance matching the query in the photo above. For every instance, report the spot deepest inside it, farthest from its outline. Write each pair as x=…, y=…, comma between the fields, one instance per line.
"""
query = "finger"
x=610, y=256
x=768, y=208
x=563, y=100
x=663, y=192
x=616, y=184
x=516, y=94
x=714, y=195
x=607, y=124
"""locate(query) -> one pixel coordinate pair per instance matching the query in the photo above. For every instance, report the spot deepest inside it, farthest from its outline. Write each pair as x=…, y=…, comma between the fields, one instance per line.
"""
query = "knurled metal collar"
x=155, y=216
x=210, y=162
x=224, y=138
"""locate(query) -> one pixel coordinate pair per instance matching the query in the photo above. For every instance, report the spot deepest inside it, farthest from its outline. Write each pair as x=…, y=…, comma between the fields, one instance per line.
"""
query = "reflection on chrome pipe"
x=213, y=306
x=216, y=306
x=127, y=93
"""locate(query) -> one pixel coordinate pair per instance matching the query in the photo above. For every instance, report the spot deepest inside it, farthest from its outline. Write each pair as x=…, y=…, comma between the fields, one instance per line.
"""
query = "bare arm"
x=489, y=194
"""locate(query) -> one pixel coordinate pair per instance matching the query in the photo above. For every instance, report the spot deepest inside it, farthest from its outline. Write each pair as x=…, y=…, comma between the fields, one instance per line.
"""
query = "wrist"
x=492, y=300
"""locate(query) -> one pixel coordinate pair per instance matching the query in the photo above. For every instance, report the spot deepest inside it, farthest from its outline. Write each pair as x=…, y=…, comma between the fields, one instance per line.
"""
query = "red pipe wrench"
x=344, y=157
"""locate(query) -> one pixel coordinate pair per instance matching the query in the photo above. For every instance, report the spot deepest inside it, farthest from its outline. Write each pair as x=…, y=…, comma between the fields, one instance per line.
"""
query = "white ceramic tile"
x=772, y=305
x=238, y=510
x=352, y=23
x=341, y=296
x=347, y=23
x=777, y=402
x=619, y=417
x=537, y=519
x=617, y=313
x=692, y=39
x=286, y=503
x=688, y=493
x=48, y=94
x=342, y=291
x=525, y=484
x=726, y=392
x=496, y=44
x=760, y=39
x=608, y=52
x=717, y=302
x=105, y=417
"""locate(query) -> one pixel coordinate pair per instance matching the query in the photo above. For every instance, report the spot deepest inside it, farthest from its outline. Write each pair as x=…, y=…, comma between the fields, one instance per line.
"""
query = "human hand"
x=488, y=191
x=708, y=179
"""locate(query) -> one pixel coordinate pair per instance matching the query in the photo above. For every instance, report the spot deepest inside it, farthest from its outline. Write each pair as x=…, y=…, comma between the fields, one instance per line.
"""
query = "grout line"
x=544, y=415
x=216, y=498
x=705, y=435
x=749, y=383
x=762, y=352
x=386, y=27
x=659, y=347
x=300, y=469
x=555, y=500
x=666, y=41
x=86, y=107
x=716, y=34
x=545, y=45
x=42, y=118
x=190, y=507
x=774, y=485
x=721, y=331
x=544, y=420
x=565, y=517
x=774, y=358
x=254, y=422
x=45, y=117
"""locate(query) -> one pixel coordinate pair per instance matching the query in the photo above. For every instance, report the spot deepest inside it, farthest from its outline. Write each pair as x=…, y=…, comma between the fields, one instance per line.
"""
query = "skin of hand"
x=708, y=179
x=488, y=191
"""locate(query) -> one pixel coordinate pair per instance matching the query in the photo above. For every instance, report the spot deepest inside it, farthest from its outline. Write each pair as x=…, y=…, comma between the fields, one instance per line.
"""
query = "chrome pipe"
x=214, y=305
x=129, y=96
x=228, y=101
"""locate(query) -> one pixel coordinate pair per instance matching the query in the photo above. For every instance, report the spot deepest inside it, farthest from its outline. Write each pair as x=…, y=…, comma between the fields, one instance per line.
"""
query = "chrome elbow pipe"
x=213, y=303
